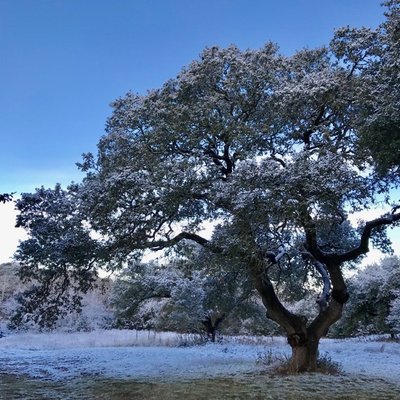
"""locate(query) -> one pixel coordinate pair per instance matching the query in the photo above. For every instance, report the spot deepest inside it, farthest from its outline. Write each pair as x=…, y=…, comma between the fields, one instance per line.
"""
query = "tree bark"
x=304, y=353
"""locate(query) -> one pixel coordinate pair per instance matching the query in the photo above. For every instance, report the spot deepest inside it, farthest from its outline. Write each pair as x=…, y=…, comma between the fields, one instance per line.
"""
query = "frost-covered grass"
x=99, y=338
x=120, y=354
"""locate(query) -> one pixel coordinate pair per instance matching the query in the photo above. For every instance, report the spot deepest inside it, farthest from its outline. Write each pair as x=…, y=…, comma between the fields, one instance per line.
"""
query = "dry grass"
x=280, y=363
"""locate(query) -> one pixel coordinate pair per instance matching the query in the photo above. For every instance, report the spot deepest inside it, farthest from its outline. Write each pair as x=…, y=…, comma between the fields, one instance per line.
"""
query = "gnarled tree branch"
x=325, y=295
x=367, y=231
x=163, y=244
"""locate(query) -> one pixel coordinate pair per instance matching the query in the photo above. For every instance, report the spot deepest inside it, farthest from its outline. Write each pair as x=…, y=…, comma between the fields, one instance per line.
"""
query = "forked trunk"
x=303, y=337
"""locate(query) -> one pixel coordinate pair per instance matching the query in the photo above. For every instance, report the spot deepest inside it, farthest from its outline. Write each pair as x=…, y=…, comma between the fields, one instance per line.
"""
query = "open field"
x=129, y=365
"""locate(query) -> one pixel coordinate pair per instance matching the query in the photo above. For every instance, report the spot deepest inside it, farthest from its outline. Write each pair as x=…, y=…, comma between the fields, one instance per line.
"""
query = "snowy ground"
x=147, y=355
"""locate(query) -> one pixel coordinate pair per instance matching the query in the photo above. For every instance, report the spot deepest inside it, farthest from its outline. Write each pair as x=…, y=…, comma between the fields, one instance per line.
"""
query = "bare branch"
x=278, y=160
x=311, y=243
x=395, y=208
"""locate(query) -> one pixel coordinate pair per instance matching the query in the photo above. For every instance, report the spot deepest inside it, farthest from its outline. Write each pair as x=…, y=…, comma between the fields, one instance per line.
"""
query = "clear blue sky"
x=63, y=61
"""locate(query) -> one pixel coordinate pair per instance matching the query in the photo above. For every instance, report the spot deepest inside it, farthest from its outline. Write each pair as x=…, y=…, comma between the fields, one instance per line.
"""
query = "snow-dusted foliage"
x=9, y=281
x=267, y=146
x=4, y=197
x=140, y=294
x=393, y=319
x=9, y=286
x=58, y=258
x=95, y=311
x=183, y=296
x=372, y=307
x=376, y=53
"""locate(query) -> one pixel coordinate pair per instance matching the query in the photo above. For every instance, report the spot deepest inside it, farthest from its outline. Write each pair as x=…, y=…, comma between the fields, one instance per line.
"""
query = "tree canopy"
x=379, y=123
x=273, y=150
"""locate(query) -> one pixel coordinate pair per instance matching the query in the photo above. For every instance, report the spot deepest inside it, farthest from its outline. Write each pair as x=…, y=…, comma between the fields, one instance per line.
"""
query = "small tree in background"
x=184, y=295
x=10, y=285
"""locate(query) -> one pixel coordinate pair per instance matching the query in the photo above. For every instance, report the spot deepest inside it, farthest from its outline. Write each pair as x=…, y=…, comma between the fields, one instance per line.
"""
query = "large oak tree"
x=265, y=146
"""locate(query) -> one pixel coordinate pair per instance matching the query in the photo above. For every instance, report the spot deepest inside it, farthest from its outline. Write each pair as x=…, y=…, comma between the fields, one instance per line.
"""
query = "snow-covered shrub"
x=393, y=319
x=94, y=313
x=372, y=308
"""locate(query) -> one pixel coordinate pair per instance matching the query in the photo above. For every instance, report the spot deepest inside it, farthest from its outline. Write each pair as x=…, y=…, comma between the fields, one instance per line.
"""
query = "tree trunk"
x=303, y=337
x=213, y=333
x=304, y=353
x=211, y=326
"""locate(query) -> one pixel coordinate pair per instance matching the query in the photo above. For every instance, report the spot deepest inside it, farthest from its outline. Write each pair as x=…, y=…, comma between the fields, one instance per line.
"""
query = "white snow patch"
x=143, y=355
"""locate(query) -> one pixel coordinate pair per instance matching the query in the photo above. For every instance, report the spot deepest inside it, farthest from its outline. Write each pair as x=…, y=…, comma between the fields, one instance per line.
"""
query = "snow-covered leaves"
x=60, y=257
x=236, y=132
x=373, y=306
x=374, y=57
x=393, y=319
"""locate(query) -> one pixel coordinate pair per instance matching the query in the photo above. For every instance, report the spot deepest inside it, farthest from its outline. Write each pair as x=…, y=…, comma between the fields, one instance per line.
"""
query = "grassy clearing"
x=247, y=386
x=116, y=365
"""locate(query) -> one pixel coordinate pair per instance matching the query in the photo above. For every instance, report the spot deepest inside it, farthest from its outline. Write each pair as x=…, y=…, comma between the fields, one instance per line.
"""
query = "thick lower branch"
x=325, y=295
x=369, y=226
x=162, y=244
x=338, y=297
x=291, y=323
x=326, y=318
